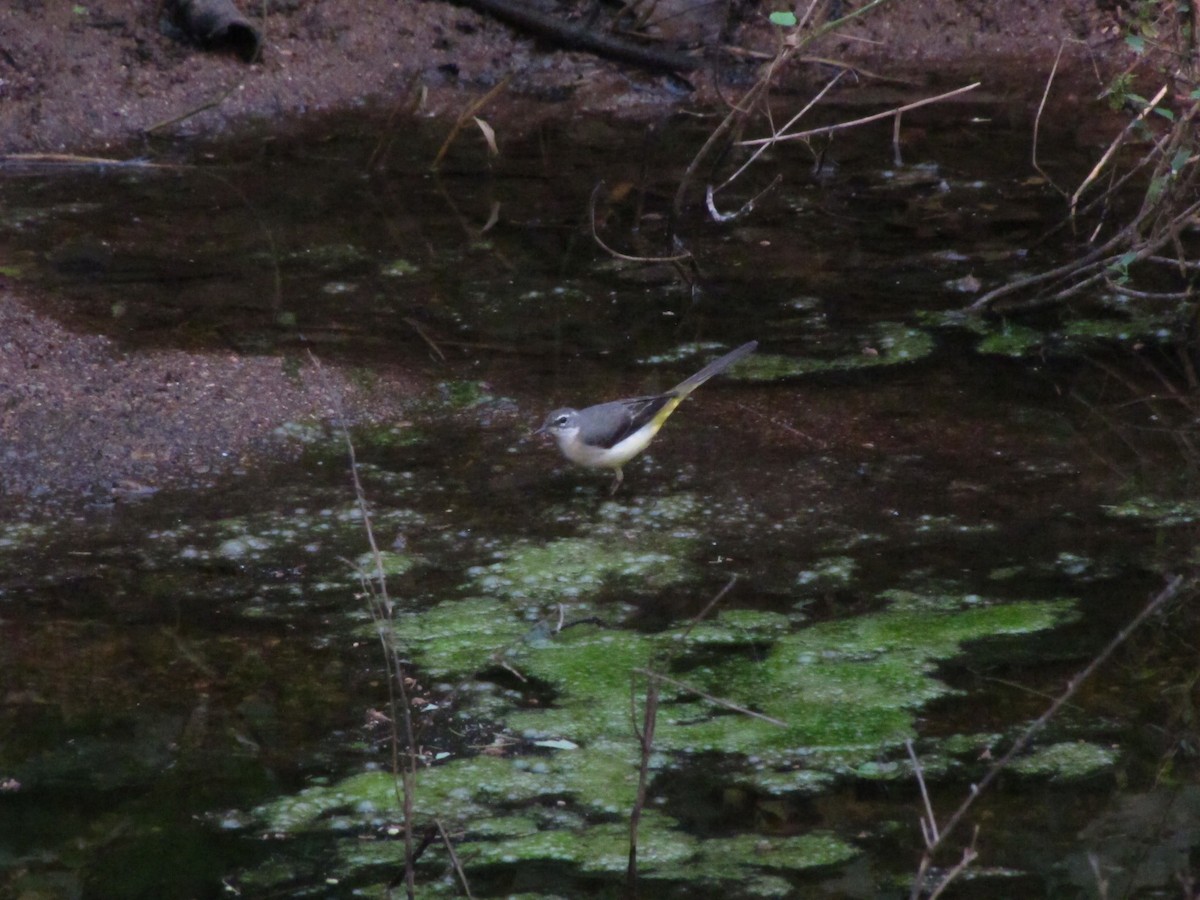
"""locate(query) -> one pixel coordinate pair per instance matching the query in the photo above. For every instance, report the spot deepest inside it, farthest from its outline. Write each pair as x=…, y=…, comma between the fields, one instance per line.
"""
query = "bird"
x=608, y=435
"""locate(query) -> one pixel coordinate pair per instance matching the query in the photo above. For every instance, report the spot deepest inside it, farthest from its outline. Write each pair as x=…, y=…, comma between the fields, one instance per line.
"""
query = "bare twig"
x=708, y=607
x=712, y=698
x=215, y=101
x=458, y=869
x=1037, y=119
x=467, y=116
x=645, y=736
x=424, y=335
x=968, y=856
x=854, y=123
x=71, y=160
x=617, y=254
x=1115, y=145
x=756, y=94
x=746, y=207
x=790, y=122
x=1171, y=590
x=928, y=821
x=411, y=99
x=380, y=607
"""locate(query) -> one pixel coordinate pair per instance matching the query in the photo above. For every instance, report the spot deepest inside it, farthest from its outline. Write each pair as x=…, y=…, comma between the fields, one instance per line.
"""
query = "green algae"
x=1157, y=510
x=387, y=561
x=829, y=572
x=601, y=848
x=854, y=683
x=845, y=692
x=19, y=536
x=399, y=268
x=803, y=851
x=930, y=601
x=573, y=568
x=1066, y=761
x=689, y=352
x=929, y=524
x=593, y=668
x=1122, y=329
x=850, y=686
x=330, y=257
x=1011, y=339
x=505, y=819
x=264, y=536
x=666, y=854
x=462, y=637
x=1118, y=321
x=736, y=626
x=889, y=343
x=464, y=394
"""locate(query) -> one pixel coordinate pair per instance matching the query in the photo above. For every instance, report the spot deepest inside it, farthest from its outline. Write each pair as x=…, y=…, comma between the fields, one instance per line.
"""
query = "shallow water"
x=926, y=524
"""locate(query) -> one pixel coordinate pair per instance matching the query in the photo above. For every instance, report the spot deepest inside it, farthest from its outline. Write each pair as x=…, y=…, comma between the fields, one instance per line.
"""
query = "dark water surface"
x=934, y=522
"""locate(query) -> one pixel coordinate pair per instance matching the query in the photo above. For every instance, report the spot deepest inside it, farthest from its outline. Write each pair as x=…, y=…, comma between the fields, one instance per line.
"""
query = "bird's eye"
x=561, y=421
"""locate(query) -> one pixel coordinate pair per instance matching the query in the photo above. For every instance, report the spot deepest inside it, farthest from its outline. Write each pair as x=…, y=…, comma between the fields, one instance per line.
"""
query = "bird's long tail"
x=716, y=367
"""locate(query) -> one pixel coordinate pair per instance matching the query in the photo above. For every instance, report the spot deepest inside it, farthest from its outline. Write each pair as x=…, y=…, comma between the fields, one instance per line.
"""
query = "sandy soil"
x=82, y=420
x=93, y=75
x=84, y=423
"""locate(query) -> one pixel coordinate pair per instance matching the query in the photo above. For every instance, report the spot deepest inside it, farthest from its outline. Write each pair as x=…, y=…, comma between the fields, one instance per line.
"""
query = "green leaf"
x=1136, y=43
x=1179, y=160
x=1165, y=113
x=784, y=19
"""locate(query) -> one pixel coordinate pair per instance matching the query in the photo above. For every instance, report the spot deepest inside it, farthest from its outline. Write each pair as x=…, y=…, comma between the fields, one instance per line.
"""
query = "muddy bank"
x=86, y=423
x=90, y=76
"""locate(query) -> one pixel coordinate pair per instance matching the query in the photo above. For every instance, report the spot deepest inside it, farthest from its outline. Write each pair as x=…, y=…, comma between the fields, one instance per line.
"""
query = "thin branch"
x=195, y=111
x=458, y=869
x=466, y=117
x=711, y=698
x=751, y=98
x=425, y=336
x=404, y=776
x=1037, y=120
x=790, y=122
x=969, y=856
x=615, y=253
x=1169, y=592
x=746, y=207
x=646, y=746
x=828, y=129
x=1115, y=145
x=71, y=160
x=929, y=821
x=708, y=607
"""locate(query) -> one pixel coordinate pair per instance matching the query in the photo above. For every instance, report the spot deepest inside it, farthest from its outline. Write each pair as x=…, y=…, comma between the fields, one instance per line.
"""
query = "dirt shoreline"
x=90, y=78
x=84, y=421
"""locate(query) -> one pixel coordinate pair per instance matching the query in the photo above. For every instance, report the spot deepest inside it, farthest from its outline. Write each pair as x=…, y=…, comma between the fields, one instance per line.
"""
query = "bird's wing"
x=611, y=423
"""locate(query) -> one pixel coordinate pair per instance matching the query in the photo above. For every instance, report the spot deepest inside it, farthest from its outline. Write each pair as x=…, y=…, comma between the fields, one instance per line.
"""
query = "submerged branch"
x=1172, y=589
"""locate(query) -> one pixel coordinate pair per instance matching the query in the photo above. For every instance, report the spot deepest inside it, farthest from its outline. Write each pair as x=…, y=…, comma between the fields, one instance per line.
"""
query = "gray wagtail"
x=609, y=435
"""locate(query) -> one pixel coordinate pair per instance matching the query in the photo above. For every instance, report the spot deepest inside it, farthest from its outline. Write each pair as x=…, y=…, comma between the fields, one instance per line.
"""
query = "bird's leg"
x=616, y=482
